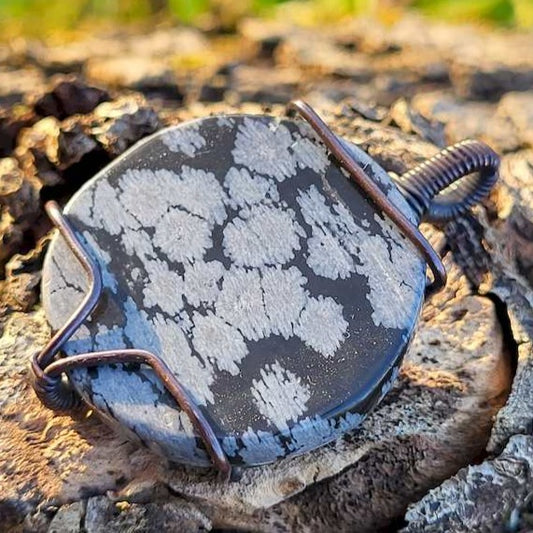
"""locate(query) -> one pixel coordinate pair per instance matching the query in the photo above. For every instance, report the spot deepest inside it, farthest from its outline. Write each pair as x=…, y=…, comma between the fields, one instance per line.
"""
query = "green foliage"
x=496, y=11
x=188, y=11
x=42, y=17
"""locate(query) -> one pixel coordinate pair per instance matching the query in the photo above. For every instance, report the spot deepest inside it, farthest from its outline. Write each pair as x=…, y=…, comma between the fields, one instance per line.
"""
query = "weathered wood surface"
x=458, y=421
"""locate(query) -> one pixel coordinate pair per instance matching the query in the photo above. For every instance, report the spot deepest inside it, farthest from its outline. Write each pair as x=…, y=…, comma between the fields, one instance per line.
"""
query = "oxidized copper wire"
x=377, y=196
x=47, y=374
x=425, y=181
x=433, y=188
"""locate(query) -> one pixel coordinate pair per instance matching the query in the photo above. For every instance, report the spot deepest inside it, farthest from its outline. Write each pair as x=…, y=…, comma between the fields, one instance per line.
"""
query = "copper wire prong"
x=374, y=193
x=46, y=374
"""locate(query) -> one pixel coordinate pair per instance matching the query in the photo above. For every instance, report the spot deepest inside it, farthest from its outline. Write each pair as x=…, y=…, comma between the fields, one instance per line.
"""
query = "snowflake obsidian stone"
x=233, y=248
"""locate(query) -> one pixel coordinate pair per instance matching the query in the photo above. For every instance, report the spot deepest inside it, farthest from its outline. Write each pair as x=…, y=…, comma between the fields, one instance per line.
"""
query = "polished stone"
x=236, y=250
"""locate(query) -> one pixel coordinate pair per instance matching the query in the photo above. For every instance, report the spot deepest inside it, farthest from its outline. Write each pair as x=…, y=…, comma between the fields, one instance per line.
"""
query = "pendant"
x=239, y=289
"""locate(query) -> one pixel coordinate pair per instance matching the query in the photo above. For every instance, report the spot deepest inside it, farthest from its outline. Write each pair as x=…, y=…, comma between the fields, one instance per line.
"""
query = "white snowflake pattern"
x=163, y=287
x=284, y=297
x=240, y=303
x=194, y=374
x=321, y=325
x=218, y=342
x=185, y=140
x=202, y=315
x=199, y=193
x=339, y=246
x=245, y=189
x=200, y=282
x=262, y=235
x=280, y=395
x=270, y=154
x=133, y=188
x=181, y=236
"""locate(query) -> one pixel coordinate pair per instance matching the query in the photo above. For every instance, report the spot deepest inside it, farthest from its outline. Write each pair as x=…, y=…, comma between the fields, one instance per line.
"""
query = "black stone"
x=302, y=382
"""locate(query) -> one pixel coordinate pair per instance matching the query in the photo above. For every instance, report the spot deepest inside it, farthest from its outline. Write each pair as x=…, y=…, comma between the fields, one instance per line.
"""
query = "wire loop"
x=452, y=181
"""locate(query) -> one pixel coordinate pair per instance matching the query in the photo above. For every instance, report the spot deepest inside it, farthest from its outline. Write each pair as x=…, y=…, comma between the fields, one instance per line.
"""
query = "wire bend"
x=47, y=376
x=452, y=181
x=376, y=195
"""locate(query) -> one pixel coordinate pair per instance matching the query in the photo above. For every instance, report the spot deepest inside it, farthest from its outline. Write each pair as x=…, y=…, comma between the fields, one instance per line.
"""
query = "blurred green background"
x=63, y=18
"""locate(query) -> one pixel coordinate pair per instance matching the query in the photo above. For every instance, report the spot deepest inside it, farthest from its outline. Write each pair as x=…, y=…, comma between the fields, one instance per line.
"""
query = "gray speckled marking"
x=236, y=251
x=245, y=189
x=279, y=395
x=253, y=238
x=184, y=140
x=321, y=325
x=339, y=246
